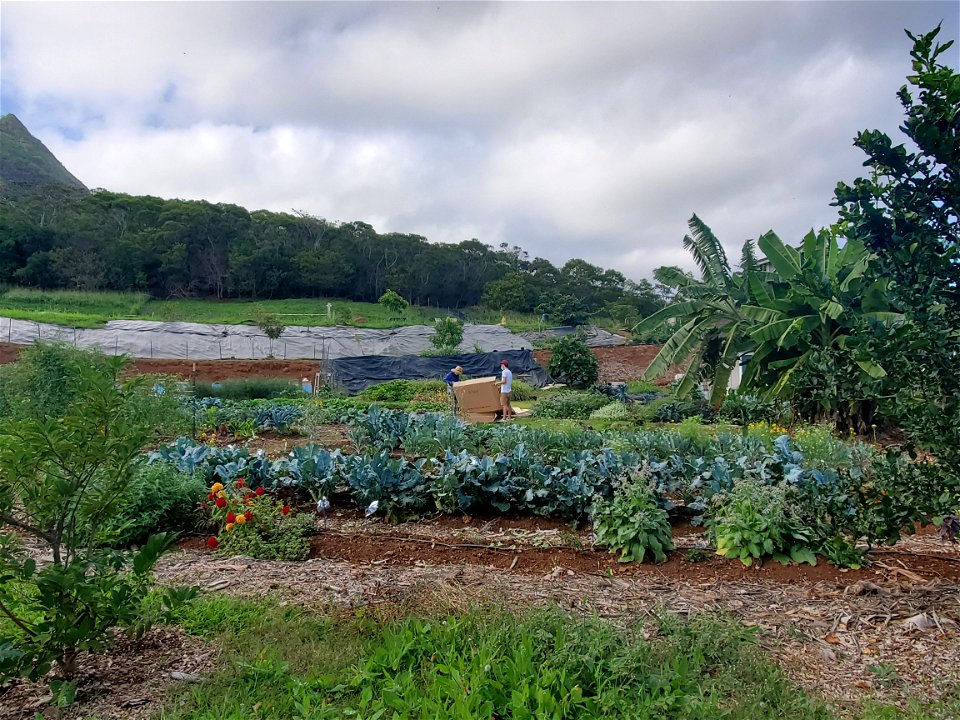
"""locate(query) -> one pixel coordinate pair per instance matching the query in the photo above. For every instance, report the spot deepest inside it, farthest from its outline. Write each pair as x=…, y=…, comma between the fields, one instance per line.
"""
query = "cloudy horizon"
x=589, y=130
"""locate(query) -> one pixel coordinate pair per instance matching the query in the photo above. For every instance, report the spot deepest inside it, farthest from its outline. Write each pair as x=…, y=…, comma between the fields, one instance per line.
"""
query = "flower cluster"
x=236, y=508
x=767, y=431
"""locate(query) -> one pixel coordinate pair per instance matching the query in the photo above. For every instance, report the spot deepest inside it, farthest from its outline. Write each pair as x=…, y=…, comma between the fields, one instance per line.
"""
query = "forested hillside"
x=56, y=235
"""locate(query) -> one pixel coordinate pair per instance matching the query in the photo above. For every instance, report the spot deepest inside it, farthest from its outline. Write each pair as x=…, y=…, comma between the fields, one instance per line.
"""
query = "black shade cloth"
x=353, y=374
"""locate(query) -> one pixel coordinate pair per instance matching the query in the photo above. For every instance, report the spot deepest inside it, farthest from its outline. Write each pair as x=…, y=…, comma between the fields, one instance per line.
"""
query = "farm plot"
x=346, y=510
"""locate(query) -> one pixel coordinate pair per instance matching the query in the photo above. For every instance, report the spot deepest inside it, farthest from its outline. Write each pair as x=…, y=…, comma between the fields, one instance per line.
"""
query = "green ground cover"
x=488, y=663
x=71, y=308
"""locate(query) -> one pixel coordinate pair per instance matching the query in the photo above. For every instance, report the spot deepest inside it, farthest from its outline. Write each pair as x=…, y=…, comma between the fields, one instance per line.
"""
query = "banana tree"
x=809, y=328
x=710, y=328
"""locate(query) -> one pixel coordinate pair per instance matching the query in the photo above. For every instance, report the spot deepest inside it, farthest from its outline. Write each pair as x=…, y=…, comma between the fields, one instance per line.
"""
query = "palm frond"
x=748, y=257
x=707, y=252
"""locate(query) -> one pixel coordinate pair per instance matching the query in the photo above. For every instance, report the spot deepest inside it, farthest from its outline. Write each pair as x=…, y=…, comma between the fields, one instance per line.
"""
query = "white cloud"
x=570, y=129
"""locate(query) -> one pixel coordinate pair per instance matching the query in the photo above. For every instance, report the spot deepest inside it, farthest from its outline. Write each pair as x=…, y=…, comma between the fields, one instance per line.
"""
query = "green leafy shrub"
x=253, y=523
x=744, y=408
x=573, y=405
x=159, y=498
x=62, y=479
x=613, y=411
x=521, y=390
x=448, y=335
x=633, y=524
x=572, y=362
x=252, y=388
x=401, y=391
x=36, y=386
x=757, y=520
x=668, y=408
x=393, y=302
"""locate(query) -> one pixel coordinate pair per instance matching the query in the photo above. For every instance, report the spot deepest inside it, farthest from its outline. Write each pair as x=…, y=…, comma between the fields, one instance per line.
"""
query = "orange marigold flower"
x=217, y=487
x=241, y=519
x=229, y=526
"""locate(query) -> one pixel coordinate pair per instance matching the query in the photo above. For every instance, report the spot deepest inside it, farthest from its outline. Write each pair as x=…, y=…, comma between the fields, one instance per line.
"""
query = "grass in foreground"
x=287, y=663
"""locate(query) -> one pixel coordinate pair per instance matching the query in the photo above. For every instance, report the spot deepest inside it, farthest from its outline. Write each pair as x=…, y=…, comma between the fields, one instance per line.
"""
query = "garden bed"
x=542, y=545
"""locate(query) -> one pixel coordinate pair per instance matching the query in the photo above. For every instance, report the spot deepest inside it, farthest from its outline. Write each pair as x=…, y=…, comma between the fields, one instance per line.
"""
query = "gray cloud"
x=586, y=130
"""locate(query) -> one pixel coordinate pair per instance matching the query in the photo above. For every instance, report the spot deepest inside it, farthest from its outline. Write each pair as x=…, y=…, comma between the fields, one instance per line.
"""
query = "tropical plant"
x=709, y=327
x=808, y=329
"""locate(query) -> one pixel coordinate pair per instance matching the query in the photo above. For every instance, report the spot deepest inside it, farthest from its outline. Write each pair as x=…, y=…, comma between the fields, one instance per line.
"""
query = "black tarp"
x=353, y=374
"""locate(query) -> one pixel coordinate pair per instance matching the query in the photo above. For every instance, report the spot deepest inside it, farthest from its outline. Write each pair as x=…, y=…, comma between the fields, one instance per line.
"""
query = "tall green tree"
x=906, y=212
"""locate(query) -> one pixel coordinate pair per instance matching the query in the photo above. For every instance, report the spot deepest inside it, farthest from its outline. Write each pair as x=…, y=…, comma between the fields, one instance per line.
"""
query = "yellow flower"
x=229, y=526
x=222, y=494
x=241, y=519
x=217, y=487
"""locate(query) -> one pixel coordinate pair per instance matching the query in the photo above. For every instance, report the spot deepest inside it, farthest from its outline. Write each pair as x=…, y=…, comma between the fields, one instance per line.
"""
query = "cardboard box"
x=480, y=395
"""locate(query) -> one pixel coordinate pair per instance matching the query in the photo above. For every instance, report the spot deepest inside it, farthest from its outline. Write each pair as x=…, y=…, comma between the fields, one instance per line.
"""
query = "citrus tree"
x=63, y=479
x=906, y=213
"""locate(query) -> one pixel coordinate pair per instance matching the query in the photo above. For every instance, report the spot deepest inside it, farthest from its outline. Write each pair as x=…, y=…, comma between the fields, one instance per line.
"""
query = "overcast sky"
x=588, y=130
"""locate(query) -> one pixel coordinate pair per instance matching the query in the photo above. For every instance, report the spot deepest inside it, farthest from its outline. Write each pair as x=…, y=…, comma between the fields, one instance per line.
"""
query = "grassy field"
x=71, y=308
x=95, y=309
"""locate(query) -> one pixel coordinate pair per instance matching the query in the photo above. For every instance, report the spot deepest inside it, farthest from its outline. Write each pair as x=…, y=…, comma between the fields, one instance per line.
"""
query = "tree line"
x=57, y=237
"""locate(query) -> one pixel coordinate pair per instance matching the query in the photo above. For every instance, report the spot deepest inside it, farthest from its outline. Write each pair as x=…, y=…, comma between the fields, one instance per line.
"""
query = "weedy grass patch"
x=485, y=663
x=70, y=307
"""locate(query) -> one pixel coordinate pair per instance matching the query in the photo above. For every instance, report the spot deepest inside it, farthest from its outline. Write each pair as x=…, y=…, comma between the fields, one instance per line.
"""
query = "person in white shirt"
x=506, y=387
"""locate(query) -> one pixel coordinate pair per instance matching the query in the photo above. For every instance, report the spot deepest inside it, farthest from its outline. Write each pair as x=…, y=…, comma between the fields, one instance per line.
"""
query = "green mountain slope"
x=25, y=162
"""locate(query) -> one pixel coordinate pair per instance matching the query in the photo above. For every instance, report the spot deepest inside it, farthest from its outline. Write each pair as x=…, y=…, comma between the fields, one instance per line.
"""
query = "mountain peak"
x=26, y=162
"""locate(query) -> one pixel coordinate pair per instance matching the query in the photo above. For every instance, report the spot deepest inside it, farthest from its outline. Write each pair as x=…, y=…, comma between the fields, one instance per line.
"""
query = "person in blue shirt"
x=452, y=377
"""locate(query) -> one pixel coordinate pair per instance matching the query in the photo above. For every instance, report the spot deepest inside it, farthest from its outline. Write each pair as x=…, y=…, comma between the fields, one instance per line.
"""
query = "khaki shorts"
x=504, y=399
